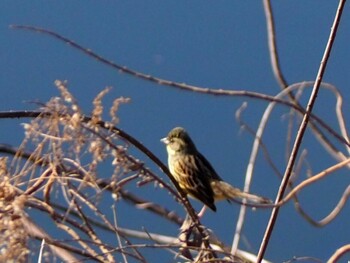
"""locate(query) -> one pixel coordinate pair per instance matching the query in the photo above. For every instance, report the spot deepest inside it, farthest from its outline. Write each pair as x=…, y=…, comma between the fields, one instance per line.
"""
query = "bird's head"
x=178, y=141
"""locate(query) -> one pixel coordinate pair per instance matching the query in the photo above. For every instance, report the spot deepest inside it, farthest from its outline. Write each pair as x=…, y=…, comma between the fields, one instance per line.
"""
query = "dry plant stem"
x=37, y=204
x=36, y=232
x=250, y=170
x=251, y=163
x=336, y=153
x=120, y=231
x=313, y=179
x=326, y=220
x=272, y=45
x=41, y=250
x=323, y=140
x=85, y=228
x=89, y=230
x=252, y=132
x=83, y=244
x=102, y=184
x=341, y=119
x=142, y=148
x=91, y=233
x=157, y=209
x=122, y=234
x=274, y=58
x=301, y=132
x=339, y=253
x=102, y=216
x=117, y=235
x=332, y=215
x=339, y=113
x=280, y=79
x=74, y=205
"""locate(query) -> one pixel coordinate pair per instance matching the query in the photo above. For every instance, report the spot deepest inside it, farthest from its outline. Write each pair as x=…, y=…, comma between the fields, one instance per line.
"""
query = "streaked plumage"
x=196, y=176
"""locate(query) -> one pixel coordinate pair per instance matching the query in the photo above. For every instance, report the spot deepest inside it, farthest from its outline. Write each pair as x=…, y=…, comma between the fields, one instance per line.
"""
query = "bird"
x=196, y=176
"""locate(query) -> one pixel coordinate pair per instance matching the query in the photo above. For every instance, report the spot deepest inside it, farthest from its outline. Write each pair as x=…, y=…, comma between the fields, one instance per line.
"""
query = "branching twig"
x=301, y=131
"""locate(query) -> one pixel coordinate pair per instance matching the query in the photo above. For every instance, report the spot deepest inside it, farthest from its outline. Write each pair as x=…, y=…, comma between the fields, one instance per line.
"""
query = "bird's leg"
x=201, y=213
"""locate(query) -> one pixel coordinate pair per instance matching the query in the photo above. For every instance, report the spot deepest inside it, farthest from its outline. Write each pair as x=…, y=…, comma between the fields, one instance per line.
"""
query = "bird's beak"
x=165, y=140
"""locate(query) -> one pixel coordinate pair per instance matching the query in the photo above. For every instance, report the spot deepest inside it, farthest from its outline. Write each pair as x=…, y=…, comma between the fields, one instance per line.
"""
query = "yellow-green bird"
x=196, y=176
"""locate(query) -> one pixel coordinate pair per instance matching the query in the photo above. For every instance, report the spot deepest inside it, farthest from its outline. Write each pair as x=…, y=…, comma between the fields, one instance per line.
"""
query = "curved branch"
x=339, y=253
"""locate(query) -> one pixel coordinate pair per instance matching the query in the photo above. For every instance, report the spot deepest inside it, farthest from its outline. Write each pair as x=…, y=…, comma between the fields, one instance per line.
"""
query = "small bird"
x=196, y=176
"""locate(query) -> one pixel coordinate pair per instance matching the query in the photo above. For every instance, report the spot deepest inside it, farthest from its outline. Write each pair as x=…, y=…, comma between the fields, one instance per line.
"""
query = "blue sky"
x=217, y=44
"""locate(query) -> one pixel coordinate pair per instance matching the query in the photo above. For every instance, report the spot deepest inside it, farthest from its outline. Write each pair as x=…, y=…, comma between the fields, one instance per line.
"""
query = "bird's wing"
x=194, y=179
x=211, y=171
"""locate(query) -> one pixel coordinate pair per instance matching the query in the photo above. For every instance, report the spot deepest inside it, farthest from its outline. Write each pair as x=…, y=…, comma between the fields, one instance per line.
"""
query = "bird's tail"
x=223, y=190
